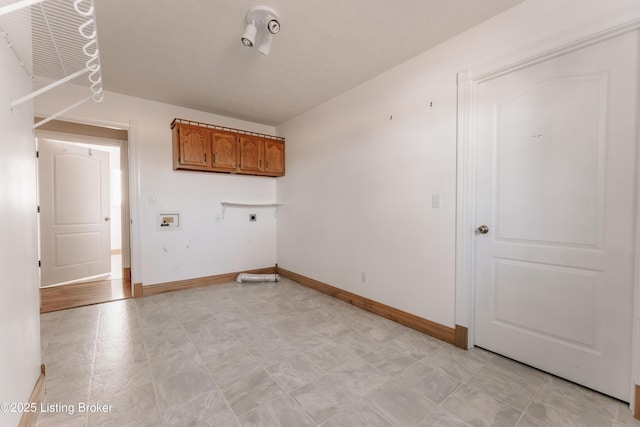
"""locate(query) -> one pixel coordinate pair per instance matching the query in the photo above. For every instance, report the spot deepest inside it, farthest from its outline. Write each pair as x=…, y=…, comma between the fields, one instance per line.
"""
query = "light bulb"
x=249, y=36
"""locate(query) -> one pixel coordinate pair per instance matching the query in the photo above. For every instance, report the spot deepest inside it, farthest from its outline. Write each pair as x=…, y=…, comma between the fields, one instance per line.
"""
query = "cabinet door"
x=194, y=146
x=251, y=153
x=274, y=157
x=224, y=151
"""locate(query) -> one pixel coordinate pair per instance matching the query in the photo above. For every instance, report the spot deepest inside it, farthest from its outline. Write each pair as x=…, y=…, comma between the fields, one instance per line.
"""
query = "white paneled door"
x=556, y=173
x=75, y=234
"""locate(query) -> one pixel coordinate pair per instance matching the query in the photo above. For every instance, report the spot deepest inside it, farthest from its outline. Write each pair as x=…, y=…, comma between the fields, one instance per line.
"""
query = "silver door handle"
x=483, y=229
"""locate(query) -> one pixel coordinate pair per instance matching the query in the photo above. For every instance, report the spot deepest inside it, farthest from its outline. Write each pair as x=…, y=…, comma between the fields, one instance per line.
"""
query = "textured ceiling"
x=188, y=52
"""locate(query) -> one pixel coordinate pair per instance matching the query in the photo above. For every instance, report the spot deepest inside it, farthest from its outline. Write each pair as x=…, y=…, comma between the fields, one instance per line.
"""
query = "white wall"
x=19, y=298
x=203, y=247
x=362, y=168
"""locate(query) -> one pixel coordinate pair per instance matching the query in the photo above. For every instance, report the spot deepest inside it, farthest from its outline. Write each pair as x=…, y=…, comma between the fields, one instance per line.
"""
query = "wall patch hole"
x=253, y=217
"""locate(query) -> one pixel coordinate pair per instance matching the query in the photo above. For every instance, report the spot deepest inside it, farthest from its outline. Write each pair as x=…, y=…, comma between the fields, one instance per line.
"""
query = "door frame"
x=468, y=81
x=68, y=131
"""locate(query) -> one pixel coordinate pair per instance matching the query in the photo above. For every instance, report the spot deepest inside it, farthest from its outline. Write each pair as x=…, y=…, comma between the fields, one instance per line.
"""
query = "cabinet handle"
x=260, y=164
x=266, y=164
x=205, y=157
x=213, y=158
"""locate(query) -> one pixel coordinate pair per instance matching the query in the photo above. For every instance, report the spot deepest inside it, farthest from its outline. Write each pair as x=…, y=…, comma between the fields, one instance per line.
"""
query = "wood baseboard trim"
x=462, y=337
x=126, y=273
x=636, y=404
x=412, y=321
x=137, y=290
x=179, y=285
x=29, y=419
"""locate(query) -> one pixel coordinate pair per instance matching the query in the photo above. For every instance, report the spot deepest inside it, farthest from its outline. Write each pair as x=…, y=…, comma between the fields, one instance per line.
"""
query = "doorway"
x=549, y=188
x=84, y=215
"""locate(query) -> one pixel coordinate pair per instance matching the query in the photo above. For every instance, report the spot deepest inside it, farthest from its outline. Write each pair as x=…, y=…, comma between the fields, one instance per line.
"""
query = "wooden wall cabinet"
x=224, y=148
x=261, y=156
x=191, y=144
x=251, y=154
x=211, y=148
x=274, y=157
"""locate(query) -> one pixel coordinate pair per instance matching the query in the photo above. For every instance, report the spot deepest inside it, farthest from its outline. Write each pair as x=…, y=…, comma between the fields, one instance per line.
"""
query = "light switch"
x=435, y=200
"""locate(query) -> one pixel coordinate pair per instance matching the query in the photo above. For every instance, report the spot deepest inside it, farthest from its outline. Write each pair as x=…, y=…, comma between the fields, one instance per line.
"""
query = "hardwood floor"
x=55, y=298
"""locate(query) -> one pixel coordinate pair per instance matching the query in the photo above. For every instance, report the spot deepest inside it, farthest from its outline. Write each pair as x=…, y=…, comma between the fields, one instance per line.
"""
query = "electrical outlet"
x=253, y=217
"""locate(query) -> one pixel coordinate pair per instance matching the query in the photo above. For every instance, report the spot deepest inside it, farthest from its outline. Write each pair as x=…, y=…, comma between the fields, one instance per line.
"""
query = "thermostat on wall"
x=168, y=221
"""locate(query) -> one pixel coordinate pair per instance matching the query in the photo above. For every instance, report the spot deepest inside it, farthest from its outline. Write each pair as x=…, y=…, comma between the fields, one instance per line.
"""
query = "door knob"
x=106, y=218
x=483, y=229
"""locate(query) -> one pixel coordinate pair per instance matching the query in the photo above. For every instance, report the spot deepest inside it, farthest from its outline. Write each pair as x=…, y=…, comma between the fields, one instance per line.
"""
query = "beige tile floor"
x=279, y=354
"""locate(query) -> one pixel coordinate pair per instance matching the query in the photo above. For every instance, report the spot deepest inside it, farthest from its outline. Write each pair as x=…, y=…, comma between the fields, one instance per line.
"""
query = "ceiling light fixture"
x=249, y=36
x=265, y=45
x=265, y=19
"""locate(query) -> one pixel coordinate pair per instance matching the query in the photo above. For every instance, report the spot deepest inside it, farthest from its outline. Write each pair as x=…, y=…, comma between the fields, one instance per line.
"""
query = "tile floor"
x=280, y=354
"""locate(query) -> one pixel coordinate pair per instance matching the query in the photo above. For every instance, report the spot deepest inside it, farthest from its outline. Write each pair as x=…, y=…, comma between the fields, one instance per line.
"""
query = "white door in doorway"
x=556, y=172
x=74, y=212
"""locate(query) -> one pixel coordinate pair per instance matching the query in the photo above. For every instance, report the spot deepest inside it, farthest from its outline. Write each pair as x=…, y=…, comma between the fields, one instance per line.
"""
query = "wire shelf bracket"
x=5, y=10
x=70, y=30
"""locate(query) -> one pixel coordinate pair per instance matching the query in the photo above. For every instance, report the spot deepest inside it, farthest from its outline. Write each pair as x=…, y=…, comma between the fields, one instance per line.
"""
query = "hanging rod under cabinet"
x=223, y=128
